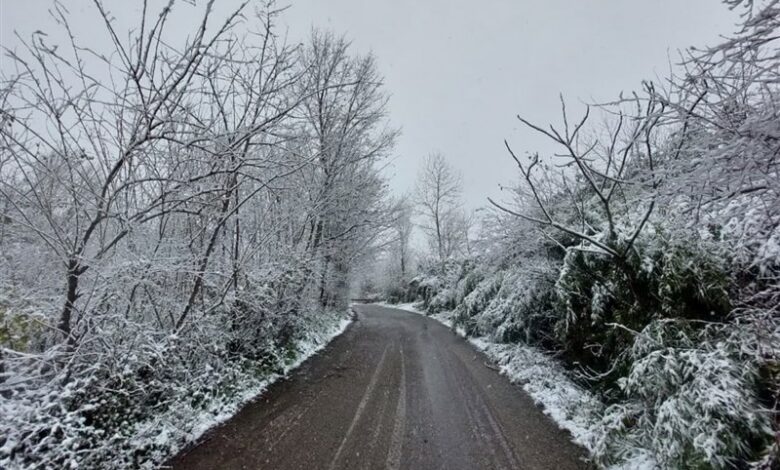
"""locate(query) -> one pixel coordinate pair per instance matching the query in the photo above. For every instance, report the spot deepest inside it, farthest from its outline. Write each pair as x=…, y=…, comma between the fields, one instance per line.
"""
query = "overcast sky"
x=459, y=71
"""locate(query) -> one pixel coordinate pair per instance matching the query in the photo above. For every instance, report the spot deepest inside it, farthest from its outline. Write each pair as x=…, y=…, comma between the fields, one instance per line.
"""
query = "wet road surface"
x=395, y=391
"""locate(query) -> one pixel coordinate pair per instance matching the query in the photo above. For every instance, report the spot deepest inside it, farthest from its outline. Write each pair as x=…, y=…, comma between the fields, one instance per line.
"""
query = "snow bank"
x=219, y=412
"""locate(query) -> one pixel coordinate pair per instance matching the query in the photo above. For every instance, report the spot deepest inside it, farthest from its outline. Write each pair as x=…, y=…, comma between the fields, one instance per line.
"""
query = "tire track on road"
x=361, y=407
x=396, y=440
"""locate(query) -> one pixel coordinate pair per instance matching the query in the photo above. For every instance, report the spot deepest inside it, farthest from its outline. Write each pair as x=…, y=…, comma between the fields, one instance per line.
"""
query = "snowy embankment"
x=220, y=411
x=545, y=380
x=147, y=443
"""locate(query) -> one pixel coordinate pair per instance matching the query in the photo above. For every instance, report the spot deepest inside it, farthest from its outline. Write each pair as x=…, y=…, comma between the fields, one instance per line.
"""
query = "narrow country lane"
x=395, y=391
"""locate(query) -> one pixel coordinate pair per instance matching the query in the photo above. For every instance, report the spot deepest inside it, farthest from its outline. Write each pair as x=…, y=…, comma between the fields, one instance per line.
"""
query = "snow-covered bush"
x=676, y=277
x=142, y=395
x=478, y=299
x=510, y=305
x=692, y=400
x=443, y=285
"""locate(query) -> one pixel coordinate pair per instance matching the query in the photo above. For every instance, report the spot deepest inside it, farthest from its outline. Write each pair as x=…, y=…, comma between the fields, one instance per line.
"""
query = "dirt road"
x=395, y=391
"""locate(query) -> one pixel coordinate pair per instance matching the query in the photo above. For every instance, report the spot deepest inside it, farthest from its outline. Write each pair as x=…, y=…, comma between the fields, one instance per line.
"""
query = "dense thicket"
x=646, y=253
x=177, y=218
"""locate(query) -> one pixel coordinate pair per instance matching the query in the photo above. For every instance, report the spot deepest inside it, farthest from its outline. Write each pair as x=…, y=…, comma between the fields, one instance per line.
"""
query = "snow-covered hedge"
x=132, y=395
x=691, y=398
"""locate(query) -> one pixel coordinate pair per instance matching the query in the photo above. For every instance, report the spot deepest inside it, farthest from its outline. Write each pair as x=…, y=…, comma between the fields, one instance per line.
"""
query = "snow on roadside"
x=546, y=381
x=572, y=407
x=316, y=342
x=409, y=306
x=542, y=377
x=168, y=431
x=445, y=318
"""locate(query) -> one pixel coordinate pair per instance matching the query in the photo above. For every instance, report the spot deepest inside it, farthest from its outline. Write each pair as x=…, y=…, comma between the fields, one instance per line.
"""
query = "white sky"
x=459, y=71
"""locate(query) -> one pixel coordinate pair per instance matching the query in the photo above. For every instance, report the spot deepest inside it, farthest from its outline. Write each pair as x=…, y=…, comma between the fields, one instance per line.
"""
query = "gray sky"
x=459, y=71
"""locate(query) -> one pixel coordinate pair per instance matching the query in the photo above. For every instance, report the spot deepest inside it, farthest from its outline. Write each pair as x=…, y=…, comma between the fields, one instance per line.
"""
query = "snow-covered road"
x=396, y=390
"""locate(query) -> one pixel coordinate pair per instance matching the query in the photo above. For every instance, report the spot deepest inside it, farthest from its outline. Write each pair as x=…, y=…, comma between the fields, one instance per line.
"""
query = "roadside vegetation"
x=644, y=255
x=179, y=220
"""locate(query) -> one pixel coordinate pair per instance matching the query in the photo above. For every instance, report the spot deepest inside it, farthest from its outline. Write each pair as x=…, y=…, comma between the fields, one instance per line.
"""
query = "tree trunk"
x=71, y=296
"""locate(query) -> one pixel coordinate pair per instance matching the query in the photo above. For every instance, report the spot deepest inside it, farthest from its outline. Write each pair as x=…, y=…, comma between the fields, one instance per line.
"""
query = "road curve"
x=395, y=391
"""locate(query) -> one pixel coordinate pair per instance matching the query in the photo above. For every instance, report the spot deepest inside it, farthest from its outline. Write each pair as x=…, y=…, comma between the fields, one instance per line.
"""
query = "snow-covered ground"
x=572, y=407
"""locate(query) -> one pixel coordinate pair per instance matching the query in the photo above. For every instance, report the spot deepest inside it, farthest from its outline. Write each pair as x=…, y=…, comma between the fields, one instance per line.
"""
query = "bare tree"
x=218, y=188
x=402, y=227
x=343, y=117
x=600, y=168
x=102, y=183
x=438, y=198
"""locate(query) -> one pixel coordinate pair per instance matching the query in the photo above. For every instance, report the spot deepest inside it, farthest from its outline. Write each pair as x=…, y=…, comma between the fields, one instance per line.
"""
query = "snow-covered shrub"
x=691, y=399
x=426, y=286
x=477, y=300
x=672, y=277
x=529, y=313
x=131, y=399
x=443, y=285
x=511, y=305
x=397, y=291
